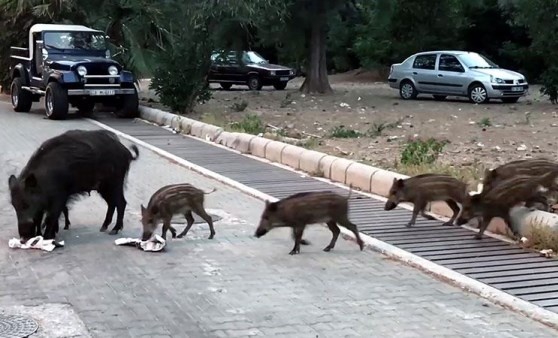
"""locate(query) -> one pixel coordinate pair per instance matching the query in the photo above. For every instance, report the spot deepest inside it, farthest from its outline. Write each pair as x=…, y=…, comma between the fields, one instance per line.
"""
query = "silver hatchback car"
x=456, y=73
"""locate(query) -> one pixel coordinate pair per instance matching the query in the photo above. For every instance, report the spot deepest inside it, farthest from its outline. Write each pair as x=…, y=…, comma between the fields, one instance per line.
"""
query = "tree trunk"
x=317, y=80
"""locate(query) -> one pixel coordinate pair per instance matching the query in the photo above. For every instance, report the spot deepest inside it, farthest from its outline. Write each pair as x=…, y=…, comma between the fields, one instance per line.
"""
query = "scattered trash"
x=546, y=253
x=35, y=243
x=522, y=147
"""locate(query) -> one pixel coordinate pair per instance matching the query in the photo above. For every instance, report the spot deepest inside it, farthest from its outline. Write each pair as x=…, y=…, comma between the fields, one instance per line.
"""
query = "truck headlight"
x=113, y=70
x=82, y=71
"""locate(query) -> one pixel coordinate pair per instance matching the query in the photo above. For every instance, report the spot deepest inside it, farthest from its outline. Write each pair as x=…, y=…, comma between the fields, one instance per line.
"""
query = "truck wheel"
x=254, y=83
x=128, y=107
x=56, y=101
x=21, y=99
x=280, y=85
x=225, y=86
x=85, y=107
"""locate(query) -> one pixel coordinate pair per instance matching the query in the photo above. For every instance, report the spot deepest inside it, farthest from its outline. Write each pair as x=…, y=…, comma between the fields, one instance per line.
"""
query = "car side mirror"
x=107, y=37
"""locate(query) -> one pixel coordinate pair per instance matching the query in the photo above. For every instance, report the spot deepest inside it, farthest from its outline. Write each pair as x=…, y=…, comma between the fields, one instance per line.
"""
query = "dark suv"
x=247, y=68
x=70, y=65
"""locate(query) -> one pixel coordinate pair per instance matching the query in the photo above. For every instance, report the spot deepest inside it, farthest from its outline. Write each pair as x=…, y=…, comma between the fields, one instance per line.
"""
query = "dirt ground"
x=479, y=135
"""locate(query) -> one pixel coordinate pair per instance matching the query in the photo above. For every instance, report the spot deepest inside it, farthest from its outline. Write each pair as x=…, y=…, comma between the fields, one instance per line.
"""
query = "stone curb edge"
x=364, y=177
x=494, y=295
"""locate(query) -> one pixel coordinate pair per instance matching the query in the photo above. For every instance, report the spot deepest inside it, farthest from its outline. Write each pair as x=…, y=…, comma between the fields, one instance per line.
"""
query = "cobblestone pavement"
x=232, y=286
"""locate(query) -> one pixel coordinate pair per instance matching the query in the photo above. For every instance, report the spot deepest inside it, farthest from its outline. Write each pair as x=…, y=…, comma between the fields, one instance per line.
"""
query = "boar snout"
x=390, y=205
x=146, y=235
x=260, y=232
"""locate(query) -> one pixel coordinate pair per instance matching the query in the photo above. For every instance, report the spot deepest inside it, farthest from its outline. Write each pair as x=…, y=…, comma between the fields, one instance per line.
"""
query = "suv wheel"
x=254, y=83
x=128, y=107
x=477, y=93
x=407, y=90
x=85, y=107
x=225, y=86
x=280, y=85
x=56, y=101
x=21, y=99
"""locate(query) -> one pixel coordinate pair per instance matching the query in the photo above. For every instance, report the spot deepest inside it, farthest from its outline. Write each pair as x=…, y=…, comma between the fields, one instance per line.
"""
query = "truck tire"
x=128, y=107
x=280, y=85
x=56, y=101
x=21, y=99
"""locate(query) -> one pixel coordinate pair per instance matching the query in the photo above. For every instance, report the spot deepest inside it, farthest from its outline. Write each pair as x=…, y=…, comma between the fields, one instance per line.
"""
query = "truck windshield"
x=253, y=57
x=74, y=40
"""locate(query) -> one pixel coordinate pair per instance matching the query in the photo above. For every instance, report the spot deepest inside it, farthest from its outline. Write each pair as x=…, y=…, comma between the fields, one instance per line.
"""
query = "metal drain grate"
x=16, y=326
x=496, y=263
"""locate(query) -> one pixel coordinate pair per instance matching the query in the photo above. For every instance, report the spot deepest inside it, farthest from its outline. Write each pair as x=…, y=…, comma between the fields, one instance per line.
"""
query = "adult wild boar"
x=65, y=167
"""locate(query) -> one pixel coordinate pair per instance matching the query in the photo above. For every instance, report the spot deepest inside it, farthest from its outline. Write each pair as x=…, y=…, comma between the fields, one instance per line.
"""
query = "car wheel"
x=254, y=83
x=85, y=107
x=407, y=90
x=21, y=99
x=128, y=106
x=280, y=85
x=510, y=99
x=225, y=86
x=56, y=101
x=477, y=93
x=439, y=97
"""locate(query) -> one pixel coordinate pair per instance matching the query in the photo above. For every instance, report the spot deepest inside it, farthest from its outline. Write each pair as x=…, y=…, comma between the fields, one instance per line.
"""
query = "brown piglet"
x=425, y=188
x=305, y=208
x=498, y=201
x=170, y=200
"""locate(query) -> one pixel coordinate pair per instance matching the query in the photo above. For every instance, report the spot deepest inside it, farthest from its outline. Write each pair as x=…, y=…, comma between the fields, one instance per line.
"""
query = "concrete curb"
x=364, y=177
x=494, y=295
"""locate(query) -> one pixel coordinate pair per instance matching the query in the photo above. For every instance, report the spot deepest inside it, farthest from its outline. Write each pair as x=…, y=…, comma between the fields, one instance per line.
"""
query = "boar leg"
x=335, y=232
x=111, y=206
x=38, y=223
x=167, y=226
x=302, y=241
x=353, y=228
x=66, y=218
x=52, y=218
x=483, y=225
x=190, y=221
x=298, y=230
x=427, y=216
x=418, y=207
x=201, y=212
x=455, y=208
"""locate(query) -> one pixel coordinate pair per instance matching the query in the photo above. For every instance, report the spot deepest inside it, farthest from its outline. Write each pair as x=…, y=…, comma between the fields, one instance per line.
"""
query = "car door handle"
x=415, y=73
x=440, y=75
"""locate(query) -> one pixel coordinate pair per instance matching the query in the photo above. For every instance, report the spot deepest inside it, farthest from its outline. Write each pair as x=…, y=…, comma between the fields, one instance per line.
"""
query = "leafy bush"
x=251, y=124
x=550, y=84
x=418, y=151
x=180, y=78
x=343, y=132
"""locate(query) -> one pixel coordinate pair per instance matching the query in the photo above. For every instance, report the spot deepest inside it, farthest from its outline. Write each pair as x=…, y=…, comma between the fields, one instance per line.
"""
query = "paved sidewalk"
x=232, y=286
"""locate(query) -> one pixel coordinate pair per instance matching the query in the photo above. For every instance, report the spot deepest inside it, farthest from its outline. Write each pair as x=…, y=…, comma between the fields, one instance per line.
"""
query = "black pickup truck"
x=247, y=68
x=70, y=65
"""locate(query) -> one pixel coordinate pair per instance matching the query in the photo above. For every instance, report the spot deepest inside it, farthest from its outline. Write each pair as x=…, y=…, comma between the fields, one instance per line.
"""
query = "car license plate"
x=284, y=79
x=517, y=89
x=102, y=92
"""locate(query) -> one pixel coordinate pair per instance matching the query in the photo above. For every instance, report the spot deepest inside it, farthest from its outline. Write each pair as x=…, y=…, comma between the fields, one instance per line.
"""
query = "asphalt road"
x=232, y=286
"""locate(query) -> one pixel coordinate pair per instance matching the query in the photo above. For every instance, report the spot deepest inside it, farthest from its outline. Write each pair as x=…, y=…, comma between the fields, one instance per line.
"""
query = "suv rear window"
x=427, y=61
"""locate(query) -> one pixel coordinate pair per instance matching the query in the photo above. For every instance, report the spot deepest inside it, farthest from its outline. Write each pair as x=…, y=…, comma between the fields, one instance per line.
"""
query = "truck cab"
x=70, y=65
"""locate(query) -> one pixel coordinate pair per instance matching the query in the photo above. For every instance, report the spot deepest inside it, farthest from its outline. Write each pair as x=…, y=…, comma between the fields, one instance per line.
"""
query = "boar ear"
x=31, y=182
x=272, y=206
x=400, y=183
x=142, y=209
x=266, y=203
x=12, y=182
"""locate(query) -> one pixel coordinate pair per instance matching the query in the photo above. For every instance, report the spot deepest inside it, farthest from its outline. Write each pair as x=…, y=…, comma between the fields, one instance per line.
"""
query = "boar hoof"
x=211, y=236
x=408, y=225
x=180, y=236
x=478, y=236
x=103, y=229
x=361, y=245
x=328, y=248
x=304, y=242
x=448, y=224
x=294, y=252
x=113, y=232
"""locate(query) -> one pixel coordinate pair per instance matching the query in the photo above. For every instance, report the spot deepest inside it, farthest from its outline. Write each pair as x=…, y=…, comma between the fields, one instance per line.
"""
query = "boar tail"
x=350, y=191
x=209, y=192
x=135, y=149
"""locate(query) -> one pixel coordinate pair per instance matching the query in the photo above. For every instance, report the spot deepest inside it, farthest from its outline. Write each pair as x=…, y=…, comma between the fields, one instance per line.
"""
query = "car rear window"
x=427, y=61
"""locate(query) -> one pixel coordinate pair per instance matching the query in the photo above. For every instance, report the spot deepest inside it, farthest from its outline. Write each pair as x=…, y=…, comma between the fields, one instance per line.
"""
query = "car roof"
x=454, y=52
x=41, y=27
